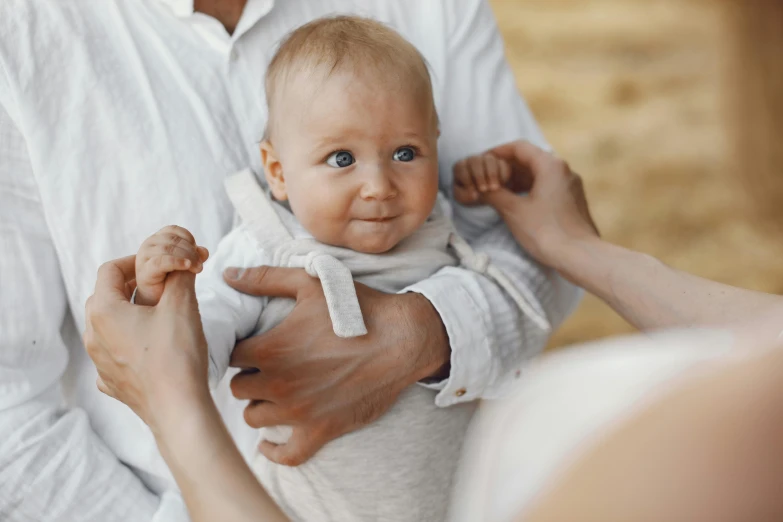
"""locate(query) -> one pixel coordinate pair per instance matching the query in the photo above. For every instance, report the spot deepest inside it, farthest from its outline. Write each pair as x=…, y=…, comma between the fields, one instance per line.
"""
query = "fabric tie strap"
x=258, y=214
x=481, y=263
x=340, y=293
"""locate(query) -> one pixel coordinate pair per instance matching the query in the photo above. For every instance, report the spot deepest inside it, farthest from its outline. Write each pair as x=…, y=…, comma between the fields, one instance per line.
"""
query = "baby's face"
x=357, y=162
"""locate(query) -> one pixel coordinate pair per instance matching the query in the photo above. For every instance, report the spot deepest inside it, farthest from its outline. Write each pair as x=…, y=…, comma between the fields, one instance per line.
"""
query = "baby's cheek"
x=320, y=219
x=427, y=196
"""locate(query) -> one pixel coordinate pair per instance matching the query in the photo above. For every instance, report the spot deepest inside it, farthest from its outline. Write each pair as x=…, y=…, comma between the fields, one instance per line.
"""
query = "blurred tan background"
x=629, y=91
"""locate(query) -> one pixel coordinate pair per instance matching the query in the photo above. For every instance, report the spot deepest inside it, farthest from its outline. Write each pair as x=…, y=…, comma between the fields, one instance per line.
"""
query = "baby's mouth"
x=379, y=219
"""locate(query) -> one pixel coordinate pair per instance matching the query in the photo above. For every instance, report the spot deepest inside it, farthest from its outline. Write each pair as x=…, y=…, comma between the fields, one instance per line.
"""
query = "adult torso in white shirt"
x=134, y=111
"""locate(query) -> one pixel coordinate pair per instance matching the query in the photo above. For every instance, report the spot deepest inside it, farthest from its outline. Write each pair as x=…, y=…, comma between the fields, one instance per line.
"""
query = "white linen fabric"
x=118, y=117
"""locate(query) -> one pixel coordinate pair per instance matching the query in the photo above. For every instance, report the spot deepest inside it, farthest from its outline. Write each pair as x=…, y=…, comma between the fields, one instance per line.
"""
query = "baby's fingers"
x=165, y=244
x=166, y=263
x=478, y=172
x=203, y=253
x=162, y=258
x=496, y=170
x=176, y=234
x=465, y=190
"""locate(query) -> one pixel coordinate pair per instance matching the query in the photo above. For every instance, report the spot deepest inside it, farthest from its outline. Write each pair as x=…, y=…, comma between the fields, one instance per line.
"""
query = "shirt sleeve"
x=481, y=108
x=227, y=315
x=52, y=465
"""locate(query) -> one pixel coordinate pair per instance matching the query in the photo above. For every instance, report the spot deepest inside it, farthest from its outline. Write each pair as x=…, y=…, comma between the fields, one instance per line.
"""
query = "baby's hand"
x=476, y=175
x=170, y=249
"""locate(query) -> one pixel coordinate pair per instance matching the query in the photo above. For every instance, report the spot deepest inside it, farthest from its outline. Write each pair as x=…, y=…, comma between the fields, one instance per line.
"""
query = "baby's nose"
x=378, y=185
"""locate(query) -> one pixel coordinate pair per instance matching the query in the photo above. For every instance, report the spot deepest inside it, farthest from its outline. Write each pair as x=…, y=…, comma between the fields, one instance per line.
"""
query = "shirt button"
x=461, y=392
x=517, y=373
x=234, y=55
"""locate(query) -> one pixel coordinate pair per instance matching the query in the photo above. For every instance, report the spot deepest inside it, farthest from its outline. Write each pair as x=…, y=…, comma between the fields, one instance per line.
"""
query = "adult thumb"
x=507, y=203
x=268, y=281
x=180, y=289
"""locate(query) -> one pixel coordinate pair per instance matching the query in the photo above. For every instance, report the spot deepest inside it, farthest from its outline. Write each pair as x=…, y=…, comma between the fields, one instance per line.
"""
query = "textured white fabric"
x=482, y=264
x=119, y=117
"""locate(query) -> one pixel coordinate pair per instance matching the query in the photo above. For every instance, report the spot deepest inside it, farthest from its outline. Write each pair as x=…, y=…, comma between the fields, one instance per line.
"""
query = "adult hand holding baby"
x=322, y=385
x=154, y=359
x=551, y=215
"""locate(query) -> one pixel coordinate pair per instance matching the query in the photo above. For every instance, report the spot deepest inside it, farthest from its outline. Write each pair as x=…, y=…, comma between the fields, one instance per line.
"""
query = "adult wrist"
x=571, y=257
x=176, y=405
x=185, y=429
x=433, y=350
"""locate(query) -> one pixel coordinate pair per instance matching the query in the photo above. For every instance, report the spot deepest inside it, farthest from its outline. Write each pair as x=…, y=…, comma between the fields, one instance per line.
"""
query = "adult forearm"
x=650, y=295
x=215, y=481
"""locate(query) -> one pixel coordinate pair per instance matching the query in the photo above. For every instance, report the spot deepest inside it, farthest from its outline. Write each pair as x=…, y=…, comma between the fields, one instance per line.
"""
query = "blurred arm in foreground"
x=709, y=450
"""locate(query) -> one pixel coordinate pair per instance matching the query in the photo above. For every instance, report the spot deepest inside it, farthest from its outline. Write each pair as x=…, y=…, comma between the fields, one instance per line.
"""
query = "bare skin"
x=553, y=223
x=227, y=12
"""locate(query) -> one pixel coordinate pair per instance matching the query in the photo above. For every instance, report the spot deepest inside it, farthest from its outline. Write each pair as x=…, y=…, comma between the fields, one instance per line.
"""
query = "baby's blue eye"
x=340, y=159
x=404, y=154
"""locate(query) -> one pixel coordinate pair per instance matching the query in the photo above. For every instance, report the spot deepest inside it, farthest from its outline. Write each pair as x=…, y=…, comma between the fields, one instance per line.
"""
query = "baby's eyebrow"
x=414, y=135
x=330, y=141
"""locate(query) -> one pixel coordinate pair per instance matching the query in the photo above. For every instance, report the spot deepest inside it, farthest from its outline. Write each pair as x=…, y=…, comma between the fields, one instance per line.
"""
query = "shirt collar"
x=181, y=8
x=184, y=8
x=254, y=11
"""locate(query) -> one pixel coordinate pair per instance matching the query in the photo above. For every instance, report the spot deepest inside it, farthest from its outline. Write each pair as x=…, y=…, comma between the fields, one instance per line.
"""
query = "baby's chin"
x=372, y=245
x=369, y=237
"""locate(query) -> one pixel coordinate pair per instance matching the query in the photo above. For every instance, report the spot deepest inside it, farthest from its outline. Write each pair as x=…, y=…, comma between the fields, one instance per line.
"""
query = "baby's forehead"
x=350, y=81
x=310, y=97
x=340, y=59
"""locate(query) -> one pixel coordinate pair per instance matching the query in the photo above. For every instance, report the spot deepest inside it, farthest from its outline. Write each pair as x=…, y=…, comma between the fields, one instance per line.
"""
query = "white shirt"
x=118, y=117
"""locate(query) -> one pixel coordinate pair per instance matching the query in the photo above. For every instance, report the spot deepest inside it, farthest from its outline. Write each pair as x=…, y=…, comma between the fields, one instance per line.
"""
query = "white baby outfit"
x=399, y=468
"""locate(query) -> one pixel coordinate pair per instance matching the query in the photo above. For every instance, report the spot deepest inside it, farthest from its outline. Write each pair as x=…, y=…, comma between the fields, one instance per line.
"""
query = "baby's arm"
x=170, y=249
x=228, y=315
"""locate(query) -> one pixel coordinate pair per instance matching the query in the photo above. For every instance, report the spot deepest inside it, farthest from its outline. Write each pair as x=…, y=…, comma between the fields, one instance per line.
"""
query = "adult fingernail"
x=234, y=273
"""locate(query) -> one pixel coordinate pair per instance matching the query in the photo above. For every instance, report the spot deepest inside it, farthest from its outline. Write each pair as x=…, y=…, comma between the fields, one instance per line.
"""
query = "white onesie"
x=399, y=468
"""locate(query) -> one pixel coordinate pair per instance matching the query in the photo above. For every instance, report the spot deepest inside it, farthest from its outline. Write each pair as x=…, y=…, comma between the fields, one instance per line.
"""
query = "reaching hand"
x=553, y=212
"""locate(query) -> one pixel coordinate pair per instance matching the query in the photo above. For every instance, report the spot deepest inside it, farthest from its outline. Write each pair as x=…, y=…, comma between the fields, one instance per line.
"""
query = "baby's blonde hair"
x=366, y=47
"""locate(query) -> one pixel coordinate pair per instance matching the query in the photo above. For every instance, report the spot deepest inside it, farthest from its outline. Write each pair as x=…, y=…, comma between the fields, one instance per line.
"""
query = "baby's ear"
x=273, y=171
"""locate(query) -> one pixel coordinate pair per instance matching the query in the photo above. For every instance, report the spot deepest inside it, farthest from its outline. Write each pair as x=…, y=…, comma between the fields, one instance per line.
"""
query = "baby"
x=351, y=164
